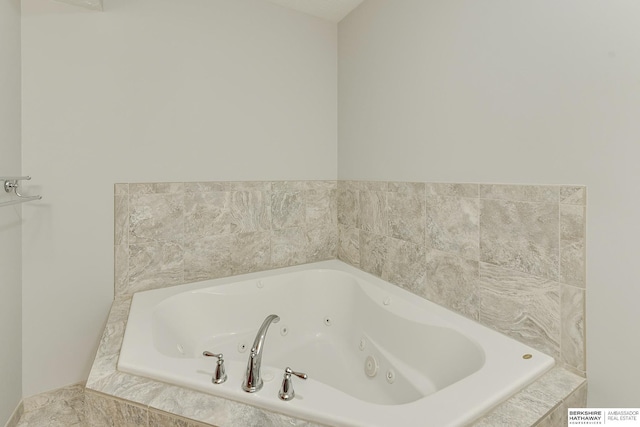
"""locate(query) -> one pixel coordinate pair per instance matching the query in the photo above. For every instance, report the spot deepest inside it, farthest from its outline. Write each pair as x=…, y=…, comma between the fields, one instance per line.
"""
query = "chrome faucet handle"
x=286, y=390
x=220, y=375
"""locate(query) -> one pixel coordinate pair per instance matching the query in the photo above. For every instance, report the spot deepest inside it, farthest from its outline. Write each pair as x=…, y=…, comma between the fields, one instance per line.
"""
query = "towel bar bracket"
x=11, y=185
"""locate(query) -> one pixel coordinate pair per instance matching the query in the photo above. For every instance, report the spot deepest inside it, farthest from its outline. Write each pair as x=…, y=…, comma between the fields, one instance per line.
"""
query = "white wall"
x=159, y=90
x=540, y=92
x=10, y=222
x=152, y=90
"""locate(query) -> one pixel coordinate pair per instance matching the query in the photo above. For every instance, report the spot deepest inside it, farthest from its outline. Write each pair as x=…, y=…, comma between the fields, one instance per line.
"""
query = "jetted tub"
x=375, y=355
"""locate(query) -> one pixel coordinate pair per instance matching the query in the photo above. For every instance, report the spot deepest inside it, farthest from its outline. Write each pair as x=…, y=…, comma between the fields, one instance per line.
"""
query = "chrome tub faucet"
x=252, y=380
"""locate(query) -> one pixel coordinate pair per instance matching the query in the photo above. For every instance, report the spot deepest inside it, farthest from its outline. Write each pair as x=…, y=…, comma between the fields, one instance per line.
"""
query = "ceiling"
x=332, y=10
x=88, y=4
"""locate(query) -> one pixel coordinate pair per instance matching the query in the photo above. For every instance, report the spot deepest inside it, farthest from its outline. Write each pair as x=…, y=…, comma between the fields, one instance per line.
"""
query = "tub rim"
x=145, y=394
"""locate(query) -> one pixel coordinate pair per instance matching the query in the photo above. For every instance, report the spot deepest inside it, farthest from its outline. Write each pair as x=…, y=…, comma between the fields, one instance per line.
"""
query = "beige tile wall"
x=172, y=233
x=509, y=256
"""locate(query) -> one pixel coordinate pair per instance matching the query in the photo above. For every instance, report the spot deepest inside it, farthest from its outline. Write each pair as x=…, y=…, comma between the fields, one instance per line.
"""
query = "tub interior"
x=331, y=328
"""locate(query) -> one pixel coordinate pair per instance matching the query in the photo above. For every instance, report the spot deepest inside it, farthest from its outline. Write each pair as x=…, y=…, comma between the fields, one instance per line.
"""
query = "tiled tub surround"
x=114, y=398
x=511, y=257
x=440, y=359
x=172, y=233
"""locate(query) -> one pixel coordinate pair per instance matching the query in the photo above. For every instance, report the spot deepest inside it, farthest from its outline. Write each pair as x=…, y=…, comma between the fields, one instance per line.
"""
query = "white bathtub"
x=434, y=367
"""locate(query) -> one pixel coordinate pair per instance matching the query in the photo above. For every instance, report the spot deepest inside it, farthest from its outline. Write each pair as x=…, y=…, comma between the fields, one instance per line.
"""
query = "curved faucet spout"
x=252, y=379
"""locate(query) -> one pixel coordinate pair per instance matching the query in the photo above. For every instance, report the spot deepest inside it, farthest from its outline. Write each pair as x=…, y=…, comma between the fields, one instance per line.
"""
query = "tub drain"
x=371, y=366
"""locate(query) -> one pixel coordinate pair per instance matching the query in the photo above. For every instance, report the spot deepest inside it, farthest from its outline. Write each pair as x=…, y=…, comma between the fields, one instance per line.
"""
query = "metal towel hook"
x=11, y=184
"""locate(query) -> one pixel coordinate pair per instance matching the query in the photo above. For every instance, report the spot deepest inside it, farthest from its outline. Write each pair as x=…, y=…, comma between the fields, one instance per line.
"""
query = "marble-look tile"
x=573, y=262
x=105, y=362
x=348, y=205
x=528, y=406
x=322, y=185
x=163, y=419
x=133, y=389
x=287, y=209
x=101, y=371
x=248, y=416
x=59, y=413
x=251, y=186
x=452, y=189
x=405, y=265
x=102, y=411
x=121, y=189
x=554, y=419
x=278, y=420
x=321, y=207
x=522, y=306
x=156, y=188
x=578, y=399
x=572, y=341
x=555, y=385
x=347, y=184
x=76, y=403
x=111, y=339
x=216, y=411
x=373, y=252
x=121, y=268
x=212, y=410
x=250, y=252
x=205, y=187
x=406, y=211
x=322, y=243
x=39, y=401
x=250, y=211
x=289, y=186
x=373, y=212
x=121, y=220
x=417, y=188
x=208, y=257
x=155, y=265
x=201, y=407
x=349, y=245
x=573, y=195
x=288, y=247
x=572, y=245
x=452, y=281
x=514, y=414
x=453, y=225
x=207, y=214
x=521, y=236
x=110, y=344
x=572, y=222
x=156, y=218
x=558, y=417
x=120, y=308
x=521, y=193
x=372, y=185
